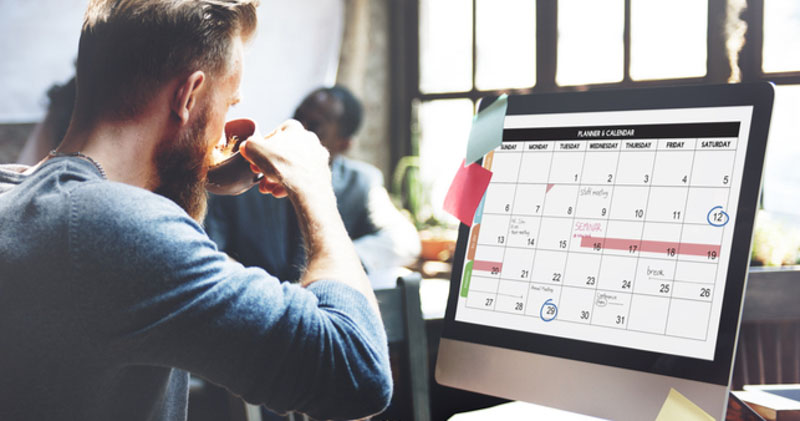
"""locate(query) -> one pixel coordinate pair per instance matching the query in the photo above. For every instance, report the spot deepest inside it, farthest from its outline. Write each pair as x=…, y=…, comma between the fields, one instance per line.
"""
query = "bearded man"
x=110, y=291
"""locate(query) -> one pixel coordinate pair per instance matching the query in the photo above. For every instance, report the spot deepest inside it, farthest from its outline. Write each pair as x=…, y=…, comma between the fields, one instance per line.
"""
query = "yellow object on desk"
x=679, y=408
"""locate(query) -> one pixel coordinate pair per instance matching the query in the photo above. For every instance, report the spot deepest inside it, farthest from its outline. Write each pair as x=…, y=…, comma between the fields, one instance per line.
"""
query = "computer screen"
x=608, y=256
x=609, y=227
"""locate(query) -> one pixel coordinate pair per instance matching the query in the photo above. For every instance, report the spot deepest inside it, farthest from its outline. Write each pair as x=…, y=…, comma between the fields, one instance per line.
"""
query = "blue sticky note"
x=487, y=130
x=479, y=211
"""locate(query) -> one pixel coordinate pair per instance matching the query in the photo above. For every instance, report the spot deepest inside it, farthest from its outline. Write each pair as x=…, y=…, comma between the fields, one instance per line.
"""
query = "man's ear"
x=186, y=95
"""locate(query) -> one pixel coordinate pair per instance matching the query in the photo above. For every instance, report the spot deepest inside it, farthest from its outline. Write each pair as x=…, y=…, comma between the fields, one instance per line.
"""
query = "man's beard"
x=182, y=166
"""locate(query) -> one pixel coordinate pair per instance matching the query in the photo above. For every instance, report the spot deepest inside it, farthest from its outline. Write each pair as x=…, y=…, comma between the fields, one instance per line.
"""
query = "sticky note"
x=466, y=191
x=479, y=211
x=487, y=129
x=679, y=408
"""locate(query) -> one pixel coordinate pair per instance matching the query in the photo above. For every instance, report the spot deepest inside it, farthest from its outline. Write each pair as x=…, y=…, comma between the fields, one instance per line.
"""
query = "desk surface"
x=521, y=411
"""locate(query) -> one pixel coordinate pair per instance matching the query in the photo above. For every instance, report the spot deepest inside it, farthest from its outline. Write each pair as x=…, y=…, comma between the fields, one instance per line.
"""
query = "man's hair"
x=129, y=48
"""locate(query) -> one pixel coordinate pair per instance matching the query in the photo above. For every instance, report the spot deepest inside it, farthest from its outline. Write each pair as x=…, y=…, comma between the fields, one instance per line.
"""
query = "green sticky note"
x=487, y=130
x=679, y=408
x=465, y=280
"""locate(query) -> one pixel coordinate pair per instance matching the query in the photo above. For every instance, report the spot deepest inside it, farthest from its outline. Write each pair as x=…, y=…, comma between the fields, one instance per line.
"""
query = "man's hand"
x=295, y=164
x=291, y=159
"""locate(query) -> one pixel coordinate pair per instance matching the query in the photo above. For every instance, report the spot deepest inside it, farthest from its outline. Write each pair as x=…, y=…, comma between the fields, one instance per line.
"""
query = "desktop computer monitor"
x=607, y=261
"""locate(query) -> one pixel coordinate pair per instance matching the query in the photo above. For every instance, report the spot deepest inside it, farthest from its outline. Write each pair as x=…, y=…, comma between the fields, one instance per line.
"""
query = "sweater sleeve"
x=157, y=292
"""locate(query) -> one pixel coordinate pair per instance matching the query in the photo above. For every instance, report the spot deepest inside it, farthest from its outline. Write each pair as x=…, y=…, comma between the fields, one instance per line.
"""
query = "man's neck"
x=125, y=150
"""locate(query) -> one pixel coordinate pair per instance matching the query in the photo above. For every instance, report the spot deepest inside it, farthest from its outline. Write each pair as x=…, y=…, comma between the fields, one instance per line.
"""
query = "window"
x=472, y=49
x=781, y=36
x=668, y=39
x=590, y=41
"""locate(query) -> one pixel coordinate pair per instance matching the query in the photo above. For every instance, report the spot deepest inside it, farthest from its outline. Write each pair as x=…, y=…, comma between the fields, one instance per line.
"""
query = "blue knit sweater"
x=110, y=295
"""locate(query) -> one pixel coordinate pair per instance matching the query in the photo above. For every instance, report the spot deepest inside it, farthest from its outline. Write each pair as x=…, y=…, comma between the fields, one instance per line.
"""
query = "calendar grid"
x=602, y=250
x=538, y=232
x=641, y=233
x=574, y=215
x=597, y=326
x=727, y=204
x=685, y=206
x=613, y=227
x=499, y=278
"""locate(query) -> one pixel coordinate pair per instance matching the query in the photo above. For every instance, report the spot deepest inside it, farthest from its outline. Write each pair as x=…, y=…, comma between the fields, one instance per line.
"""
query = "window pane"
x=443, y=132
x=781, y=178
x=781, y=35
x=445, y=46
x=590, y=41
x=668, y=39
x=506, y=44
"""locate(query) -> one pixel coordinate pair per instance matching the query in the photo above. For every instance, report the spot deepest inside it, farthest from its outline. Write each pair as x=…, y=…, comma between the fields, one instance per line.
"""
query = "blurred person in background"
x=48, y=133
x=260, y=230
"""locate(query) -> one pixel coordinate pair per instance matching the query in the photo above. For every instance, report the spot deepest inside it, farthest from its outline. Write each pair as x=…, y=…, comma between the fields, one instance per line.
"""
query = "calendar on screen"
x=609, y=227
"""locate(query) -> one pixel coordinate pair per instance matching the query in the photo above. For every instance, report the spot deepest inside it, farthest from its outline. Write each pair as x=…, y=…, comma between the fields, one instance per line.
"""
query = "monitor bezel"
x=716, y=371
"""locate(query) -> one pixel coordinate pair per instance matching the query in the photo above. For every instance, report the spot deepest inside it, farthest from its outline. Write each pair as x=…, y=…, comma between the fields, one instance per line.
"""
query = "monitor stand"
x=602, y=391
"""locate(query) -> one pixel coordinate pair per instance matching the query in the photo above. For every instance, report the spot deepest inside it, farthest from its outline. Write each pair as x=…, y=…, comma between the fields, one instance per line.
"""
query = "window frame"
x=405, y=62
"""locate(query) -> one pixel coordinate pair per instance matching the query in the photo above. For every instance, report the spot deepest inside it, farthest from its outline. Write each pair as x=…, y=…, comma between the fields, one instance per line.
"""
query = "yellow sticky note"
x=678, y=408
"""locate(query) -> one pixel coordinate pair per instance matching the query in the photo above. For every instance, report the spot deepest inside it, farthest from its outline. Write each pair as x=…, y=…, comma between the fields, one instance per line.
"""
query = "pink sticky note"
x=466, y=191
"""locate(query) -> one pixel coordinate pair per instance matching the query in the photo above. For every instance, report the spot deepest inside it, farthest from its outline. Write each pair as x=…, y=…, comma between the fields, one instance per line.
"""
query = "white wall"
x=296, y=49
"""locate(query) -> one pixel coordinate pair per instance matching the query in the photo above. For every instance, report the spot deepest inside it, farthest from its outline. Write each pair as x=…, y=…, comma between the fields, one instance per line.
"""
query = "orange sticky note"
x=466, y=191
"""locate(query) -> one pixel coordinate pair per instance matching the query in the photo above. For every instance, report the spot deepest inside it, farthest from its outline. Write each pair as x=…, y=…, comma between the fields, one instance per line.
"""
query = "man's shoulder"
x=107, y=199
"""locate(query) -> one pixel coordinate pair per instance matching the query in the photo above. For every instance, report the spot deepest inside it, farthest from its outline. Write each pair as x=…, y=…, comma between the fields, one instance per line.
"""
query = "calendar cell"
x=628, y=235
x=649, y=314
x=712, y=168
x=696, y=272
x=701, y=243
x=548, y=267
x=517, y=264
x=660, y=240
x=488, y=261
x=688, y=318
x=672, y=168
x=483, y=284
x=582, y=270
x=499, y=198
x=635, y=168
x=611, y=309
x=600, y=167
x=555, y=234
x=538, y=294
x=588, y=236
x=692, y=291
x=593, y=201
x=576, y=304
x=523, y=231
x=566, y=168
x=494, y=230
x=511, y=296
x=704, y=206
x=505, y=166
x=560, y=200
x=535, y=165
x=654, y=277
x=666, y=204
x=617, y=273
x=629, y=203
x=529, y=199
x=481, y=300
